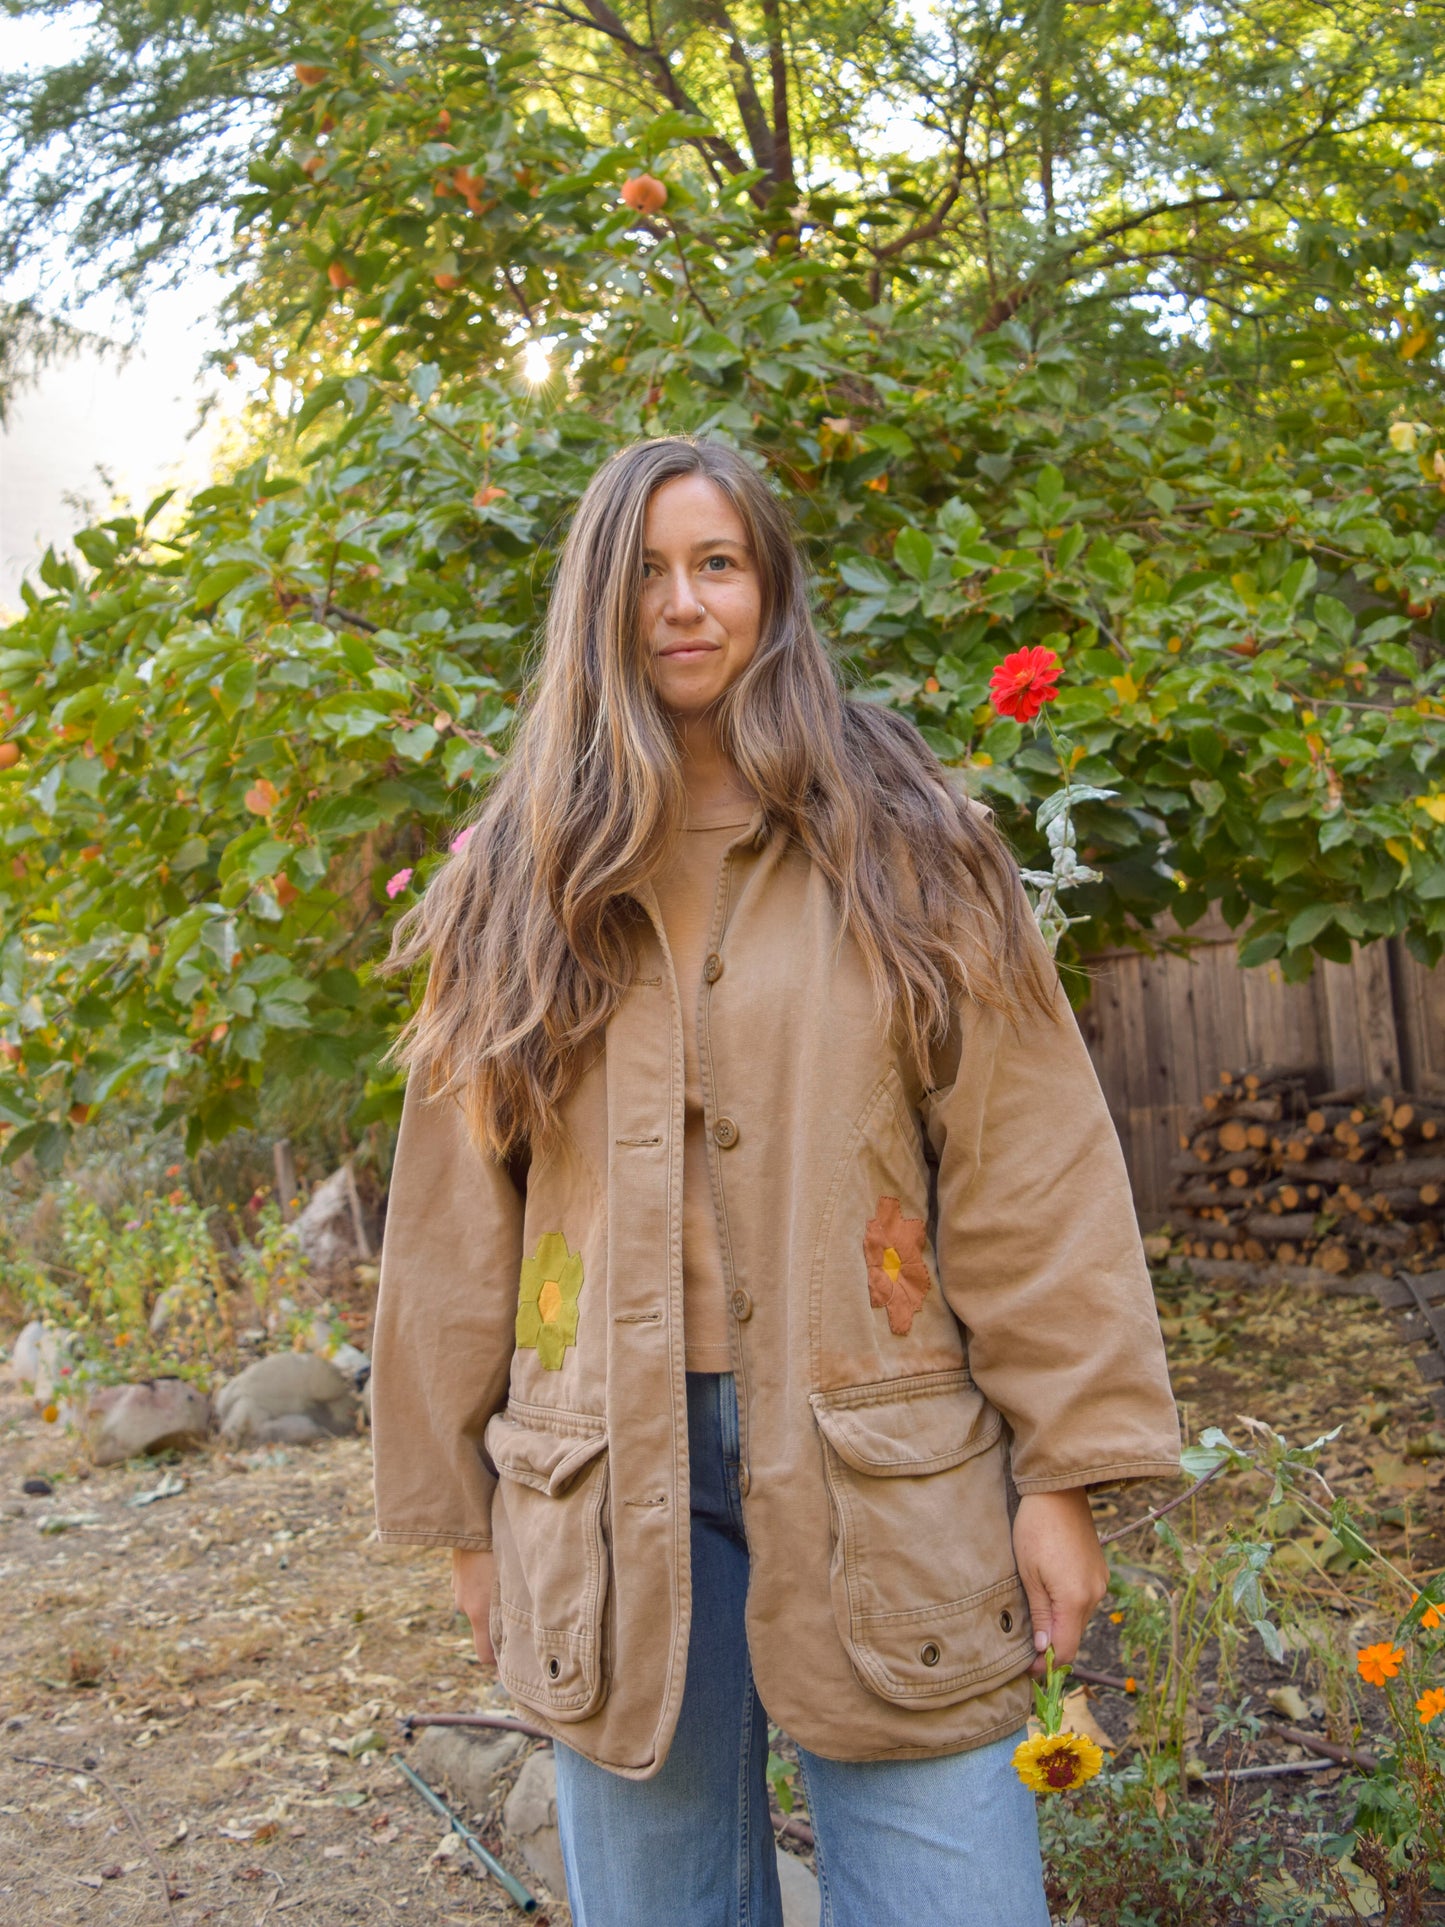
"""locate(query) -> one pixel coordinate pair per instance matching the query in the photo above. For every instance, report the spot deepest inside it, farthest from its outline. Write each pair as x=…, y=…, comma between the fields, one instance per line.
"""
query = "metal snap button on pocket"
x=1006, y=1620
x=554, y=1667
x=930, y=1653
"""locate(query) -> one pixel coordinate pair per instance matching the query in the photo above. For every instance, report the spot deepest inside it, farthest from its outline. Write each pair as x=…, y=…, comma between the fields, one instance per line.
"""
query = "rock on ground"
x=330, y=1229
x=120, y=1421
x=291, y=1398
x=466, y=1759
x=530, y=1816
x=802, y=1903
x=37, y=1356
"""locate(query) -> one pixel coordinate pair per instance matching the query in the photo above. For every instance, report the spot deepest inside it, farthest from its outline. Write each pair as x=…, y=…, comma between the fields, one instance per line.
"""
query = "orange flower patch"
x=898, y=1279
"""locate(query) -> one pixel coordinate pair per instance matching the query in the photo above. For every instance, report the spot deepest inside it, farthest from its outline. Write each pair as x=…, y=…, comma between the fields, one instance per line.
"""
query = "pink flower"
x=460, y=841
x=395, y=885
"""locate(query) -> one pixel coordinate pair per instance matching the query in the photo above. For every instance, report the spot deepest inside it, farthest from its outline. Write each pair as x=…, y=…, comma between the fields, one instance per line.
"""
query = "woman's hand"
x=472, y=1592
x=1062, y=1566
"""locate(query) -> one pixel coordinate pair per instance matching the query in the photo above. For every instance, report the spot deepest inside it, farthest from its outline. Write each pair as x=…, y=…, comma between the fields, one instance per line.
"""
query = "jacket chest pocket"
x=925, y=1592
x=550, y=1545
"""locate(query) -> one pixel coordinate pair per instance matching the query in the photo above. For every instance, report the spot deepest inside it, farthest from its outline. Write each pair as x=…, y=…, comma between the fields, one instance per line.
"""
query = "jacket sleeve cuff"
x=406, y=1536
x=1100, y=1477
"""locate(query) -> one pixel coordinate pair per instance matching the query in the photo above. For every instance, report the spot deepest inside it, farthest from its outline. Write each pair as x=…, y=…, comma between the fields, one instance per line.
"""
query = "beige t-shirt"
x=686, y=896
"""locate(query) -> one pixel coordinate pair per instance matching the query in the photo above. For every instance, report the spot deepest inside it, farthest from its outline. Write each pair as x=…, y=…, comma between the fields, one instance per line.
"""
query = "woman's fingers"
x=472, y=1595
x=1062, y=1568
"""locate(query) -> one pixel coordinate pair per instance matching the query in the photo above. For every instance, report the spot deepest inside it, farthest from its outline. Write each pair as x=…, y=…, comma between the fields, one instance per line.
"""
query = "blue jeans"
x=952, y=1841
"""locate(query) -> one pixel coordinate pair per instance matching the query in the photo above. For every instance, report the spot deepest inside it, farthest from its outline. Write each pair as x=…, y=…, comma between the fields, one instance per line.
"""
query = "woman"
x=761, y=1293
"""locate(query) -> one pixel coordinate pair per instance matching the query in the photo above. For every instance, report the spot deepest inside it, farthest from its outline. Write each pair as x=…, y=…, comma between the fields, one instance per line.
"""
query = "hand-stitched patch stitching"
x=898, y=1279
x=547, y=1301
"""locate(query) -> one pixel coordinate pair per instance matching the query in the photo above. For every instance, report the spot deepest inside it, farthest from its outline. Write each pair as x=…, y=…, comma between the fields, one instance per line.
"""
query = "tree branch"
x=745, y=92
x=778, y=71
x=647, y=55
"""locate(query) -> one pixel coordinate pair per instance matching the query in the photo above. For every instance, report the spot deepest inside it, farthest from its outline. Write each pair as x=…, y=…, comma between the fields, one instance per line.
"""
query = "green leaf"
x=1206, y=747
x=350, y=716
x=220, y=581
x=1261, y=949
x=324, y=395
x=867, y=576
x=1306, y=927
x=1333, y=616
x=913, y=552
x=236, y=688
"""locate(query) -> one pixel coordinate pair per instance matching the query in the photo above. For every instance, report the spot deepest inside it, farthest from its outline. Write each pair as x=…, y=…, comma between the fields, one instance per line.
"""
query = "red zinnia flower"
x=1024, y=682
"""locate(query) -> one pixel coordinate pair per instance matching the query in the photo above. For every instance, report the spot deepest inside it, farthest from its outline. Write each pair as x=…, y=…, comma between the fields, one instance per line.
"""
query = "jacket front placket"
x=721, y=1128
x=646, y=1383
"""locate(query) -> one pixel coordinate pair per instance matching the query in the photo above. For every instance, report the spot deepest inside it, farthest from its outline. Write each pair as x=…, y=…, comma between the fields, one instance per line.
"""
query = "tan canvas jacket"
x=939, y=1300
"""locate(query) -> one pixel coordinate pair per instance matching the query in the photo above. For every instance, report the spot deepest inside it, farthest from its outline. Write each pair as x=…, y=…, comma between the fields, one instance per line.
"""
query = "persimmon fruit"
x=644, y=193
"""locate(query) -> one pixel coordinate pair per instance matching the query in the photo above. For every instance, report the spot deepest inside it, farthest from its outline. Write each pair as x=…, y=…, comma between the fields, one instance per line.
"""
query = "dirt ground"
x=204, y=1669
x=215, y=1680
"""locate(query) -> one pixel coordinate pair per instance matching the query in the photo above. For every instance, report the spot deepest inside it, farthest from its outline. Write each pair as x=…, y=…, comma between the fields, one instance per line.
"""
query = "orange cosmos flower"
x=1430, y=1704
x=1378, y=1663
x=1431, y=1617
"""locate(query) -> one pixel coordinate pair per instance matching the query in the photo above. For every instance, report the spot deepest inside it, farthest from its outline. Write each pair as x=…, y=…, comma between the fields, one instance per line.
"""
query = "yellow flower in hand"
x=1055, y=1762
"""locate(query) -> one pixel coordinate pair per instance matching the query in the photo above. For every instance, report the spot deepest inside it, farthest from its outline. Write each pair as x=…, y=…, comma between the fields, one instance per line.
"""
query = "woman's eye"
x=726, y=561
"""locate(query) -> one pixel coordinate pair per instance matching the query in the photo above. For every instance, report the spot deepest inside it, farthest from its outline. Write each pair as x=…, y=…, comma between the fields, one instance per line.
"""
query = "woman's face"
x=701, y=593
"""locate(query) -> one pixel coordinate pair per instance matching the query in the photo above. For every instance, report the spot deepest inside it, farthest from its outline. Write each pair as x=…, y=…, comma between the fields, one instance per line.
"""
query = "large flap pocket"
x=908, y=1426
x=925, y=1592
x=546, y=1460
x=549, y=1537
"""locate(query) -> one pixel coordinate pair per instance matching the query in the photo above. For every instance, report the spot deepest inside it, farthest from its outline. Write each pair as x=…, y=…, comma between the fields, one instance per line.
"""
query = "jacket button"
x=712, y=967
x=725, y=1132
x=930, y=1653
x=742, y=1305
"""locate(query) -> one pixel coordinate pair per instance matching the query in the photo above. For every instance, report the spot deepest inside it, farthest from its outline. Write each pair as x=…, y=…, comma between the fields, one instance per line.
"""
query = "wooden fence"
x=1161, y=1029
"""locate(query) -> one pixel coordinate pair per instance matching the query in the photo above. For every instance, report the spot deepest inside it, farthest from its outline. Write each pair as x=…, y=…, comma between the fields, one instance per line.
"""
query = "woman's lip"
x=690, y=649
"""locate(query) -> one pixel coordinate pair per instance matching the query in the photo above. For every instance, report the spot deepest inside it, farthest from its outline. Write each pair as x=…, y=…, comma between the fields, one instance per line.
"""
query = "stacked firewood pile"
x=1268, y=1172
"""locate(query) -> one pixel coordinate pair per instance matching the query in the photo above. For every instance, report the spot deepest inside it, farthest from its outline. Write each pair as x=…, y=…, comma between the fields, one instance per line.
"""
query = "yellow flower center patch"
x=549, y=1301
x=892, y=1263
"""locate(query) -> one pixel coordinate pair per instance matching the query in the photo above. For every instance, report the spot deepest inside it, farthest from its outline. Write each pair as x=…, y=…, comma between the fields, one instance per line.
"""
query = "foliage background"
x=1109, y=327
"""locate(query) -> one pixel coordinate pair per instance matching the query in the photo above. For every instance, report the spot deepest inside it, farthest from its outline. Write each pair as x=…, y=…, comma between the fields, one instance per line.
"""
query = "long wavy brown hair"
x=528, y=927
